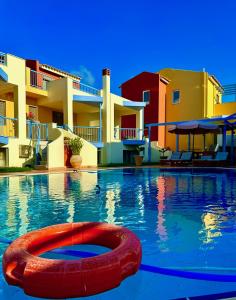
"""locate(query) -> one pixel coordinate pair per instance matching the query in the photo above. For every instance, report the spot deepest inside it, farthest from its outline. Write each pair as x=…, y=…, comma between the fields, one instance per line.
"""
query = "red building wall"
x=133, y=90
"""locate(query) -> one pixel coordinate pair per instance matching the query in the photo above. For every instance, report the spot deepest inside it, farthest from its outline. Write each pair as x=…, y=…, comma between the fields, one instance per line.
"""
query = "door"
x=57, y=117
x=2, y=157
x=67, y=155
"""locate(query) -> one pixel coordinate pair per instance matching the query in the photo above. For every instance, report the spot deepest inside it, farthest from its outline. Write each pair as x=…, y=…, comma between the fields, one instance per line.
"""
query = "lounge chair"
x=220, y=160
x=173, y=156
x=214, y=148
x=185, y=158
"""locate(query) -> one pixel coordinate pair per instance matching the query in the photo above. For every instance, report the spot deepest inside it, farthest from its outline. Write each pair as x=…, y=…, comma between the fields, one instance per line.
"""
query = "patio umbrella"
x=194, y=127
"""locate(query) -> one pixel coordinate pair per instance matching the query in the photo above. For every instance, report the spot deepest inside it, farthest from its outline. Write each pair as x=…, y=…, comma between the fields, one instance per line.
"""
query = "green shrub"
x=14, y=169
x=76, y=145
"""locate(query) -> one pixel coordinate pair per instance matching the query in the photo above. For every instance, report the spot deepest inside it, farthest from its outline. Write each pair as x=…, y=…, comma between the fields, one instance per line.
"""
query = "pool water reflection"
x=184, y=219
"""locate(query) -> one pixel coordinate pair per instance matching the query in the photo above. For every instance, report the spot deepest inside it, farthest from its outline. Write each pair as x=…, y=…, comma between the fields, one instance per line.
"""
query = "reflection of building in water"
x=161, y=187
x=140, y=198
x=88, y=181
x=17, y=203
x=56, y=186
x=110, y=206
x=211, y=228
x=60, y=186
x=71, y=212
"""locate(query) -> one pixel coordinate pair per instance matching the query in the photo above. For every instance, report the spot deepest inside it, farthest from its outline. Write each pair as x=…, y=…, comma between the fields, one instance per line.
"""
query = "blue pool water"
x=185, y=220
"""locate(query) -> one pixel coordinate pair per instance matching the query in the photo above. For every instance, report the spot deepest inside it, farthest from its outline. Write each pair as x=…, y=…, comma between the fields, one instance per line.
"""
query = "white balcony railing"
x=85, y=88
x=3, y=58
x=90, y=134
x=39, y=80
x=128, y=134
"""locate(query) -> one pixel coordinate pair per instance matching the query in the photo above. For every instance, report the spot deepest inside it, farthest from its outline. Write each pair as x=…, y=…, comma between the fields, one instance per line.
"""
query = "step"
x=41, y=167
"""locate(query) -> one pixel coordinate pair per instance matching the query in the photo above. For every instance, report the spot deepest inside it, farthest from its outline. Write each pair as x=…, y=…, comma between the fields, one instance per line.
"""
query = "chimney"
x=106, y=72
x=107, y=109
x=106, y=85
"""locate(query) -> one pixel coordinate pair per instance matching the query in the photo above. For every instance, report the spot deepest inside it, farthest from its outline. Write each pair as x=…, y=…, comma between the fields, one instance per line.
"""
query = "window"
x=2, y=112
x=217, y=99
x=2, y=108
x=176, y=97
x=146, y=96
x=34, y=111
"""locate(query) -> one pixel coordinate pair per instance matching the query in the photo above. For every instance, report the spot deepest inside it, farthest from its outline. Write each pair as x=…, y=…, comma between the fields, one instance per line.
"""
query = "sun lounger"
x=220, y=160
x=185, y=158
x=174, y=156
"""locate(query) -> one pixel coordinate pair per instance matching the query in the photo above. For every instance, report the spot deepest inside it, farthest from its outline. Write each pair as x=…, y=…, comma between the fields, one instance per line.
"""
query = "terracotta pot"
x=76, y=161
x=138, y=160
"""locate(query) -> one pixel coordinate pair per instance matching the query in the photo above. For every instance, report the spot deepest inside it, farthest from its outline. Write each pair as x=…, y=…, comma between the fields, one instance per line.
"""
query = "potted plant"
x=76, y=145
x=31, y=116
x=163, y=150
x=139, y=158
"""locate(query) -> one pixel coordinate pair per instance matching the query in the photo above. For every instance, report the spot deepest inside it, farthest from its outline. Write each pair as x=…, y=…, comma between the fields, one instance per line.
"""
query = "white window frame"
x=176, y=90
x=149, y=96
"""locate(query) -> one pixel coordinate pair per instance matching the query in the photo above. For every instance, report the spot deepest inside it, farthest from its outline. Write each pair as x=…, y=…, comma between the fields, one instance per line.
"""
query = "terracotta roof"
x=59, y=72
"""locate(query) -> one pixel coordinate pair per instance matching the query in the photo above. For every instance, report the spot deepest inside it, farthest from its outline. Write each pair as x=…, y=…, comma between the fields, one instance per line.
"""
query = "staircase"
x=41, y=162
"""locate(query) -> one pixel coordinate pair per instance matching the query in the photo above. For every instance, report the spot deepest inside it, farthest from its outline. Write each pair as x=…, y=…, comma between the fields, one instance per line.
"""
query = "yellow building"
x=191, y=95
x=62, y=107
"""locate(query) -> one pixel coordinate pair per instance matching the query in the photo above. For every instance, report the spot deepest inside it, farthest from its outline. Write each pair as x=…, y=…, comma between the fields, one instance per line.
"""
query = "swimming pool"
x=185, y=220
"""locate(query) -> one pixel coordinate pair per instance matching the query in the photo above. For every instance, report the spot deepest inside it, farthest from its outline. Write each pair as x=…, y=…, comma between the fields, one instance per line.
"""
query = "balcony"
x=37, y=131
x=86, y=88
x=129, y=136
x=91, y=134
x=39, y=80
x=7, y=126
x=3, y=58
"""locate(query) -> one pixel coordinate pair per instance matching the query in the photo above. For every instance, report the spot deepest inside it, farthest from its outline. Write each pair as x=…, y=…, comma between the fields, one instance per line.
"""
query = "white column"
x=68, y=104
x=106, y=107
x=140, y=122
x=20, y=111
x=107, y=116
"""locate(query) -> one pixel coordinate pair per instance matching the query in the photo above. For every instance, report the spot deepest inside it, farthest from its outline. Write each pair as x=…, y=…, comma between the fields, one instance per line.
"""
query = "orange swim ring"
x=54, y=278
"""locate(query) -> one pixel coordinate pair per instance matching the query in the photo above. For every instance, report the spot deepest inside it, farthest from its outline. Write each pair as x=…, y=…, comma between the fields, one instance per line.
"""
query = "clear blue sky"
x=127, y=36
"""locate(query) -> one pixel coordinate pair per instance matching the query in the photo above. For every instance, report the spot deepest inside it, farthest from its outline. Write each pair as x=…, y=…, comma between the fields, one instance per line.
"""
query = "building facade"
x=41, y=106
x=149, y=88
x=176, y=95
x=190, y=95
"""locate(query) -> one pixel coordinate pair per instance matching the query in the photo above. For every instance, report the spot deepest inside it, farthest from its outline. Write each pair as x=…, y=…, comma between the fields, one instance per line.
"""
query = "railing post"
x=177, y=142
x=38, y=143
x=189, y=141
x=115, y=131
x=224, y=139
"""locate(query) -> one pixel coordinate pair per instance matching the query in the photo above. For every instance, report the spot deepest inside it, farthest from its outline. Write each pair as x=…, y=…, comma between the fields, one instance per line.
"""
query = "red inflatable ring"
x=54, y=278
